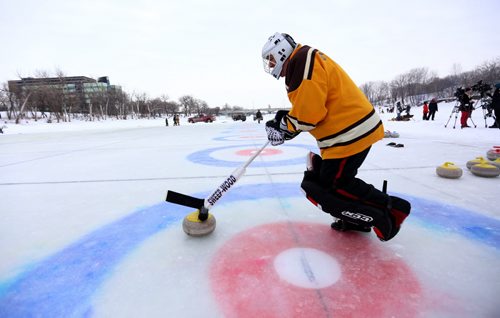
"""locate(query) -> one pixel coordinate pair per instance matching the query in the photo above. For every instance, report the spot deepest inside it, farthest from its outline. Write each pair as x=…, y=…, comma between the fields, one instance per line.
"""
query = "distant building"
x=81, y=90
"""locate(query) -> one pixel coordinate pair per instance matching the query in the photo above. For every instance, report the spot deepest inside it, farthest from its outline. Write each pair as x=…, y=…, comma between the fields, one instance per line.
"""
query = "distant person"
x=408, y=108
x=329, y=105
x=425, y=111
x=258, y=116
x=176, y=120
x=433, y=108
x=166, y=121
x=399, y=110
x=495, y=105
x=465, y=107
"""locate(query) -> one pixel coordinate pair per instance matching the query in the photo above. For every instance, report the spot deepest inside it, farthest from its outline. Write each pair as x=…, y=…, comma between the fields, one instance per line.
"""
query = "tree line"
x=418, y=84
x=54, y=103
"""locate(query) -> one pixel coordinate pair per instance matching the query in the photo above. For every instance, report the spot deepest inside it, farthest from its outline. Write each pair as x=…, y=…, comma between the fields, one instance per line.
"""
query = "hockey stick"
x=203, y=205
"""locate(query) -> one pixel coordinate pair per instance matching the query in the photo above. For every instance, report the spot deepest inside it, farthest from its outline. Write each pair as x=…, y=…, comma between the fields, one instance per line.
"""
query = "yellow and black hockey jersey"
x=329, y=105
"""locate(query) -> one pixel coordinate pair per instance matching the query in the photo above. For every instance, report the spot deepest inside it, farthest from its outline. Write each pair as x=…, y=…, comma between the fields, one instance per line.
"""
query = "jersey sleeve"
x=307, y=89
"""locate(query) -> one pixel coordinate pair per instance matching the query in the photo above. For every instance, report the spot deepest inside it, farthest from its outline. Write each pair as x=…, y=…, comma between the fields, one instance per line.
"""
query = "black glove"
x=280, y=114
x=276, y=129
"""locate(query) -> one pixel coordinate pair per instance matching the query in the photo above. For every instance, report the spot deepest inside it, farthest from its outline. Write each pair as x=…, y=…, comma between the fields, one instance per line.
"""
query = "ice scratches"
x=143, y=179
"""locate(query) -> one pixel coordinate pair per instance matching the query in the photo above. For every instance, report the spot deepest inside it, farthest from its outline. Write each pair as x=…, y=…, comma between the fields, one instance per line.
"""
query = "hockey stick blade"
x=186, y=200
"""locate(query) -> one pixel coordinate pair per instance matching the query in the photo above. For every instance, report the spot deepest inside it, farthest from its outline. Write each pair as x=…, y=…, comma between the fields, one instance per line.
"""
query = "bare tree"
x=4, y=99
x=117, y=102
x=417, y=80
x=188, y=104
x=202, y=107
x=382, y=90
x=226, y=108
x=367, y=89
x=399, y=86
x=21, y=110
x=141, y=105
x=171, y=107
x=155, y=106
x=489, y=71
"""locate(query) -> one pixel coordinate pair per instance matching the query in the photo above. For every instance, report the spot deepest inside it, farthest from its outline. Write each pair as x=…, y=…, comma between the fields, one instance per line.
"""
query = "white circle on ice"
x=307, y=268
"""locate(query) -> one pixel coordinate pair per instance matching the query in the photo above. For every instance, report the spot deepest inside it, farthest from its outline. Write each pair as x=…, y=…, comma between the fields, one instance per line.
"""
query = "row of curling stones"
x=479, y=167
x=484, y=168
x=193, y=226
x=494, y=153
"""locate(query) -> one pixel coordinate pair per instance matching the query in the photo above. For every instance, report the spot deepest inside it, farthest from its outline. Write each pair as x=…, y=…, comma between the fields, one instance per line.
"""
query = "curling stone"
x=476, y=161
x=449, y=170
x=194, y=227
x=485, y=170
x=493, y=154
x=496, y=163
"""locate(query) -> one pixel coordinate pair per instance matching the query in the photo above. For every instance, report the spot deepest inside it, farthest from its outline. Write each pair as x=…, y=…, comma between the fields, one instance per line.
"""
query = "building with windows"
x=80, y=91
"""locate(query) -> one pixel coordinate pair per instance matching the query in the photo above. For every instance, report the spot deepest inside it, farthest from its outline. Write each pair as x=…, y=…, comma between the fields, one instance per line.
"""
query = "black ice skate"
x=344, y=226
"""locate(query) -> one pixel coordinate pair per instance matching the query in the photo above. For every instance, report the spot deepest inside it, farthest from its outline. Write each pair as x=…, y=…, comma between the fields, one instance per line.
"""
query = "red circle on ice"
x=373, y=281
x=265, y=152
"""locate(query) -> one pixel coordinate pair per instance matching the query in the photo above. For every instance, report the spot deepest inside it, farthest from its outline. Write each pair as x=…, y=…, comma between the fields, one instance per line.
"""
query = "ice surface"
x=85, y=230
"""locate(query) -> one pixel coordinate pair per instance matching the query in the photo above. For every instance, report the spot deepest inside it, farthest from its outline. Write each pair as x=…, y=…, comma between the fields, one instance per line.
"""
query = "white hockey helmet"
x=276, y=51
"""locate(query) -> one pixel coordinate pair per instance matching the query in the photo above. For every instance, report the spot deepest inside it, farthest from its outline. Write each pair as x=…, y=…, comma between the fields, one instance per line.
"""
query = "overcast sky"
x=210, y=49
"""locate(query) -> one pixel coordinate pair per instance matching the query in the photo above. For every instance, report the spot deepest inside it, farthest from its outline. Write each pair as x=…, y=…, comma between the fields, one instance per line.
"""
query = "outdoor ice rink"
x=85, y=230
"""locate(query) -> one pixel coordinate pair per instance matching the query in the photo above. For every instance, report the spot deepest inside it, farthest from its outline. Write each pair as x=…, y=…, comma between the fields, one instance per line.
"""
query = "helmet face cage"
x=275, y=52
x=271, y=66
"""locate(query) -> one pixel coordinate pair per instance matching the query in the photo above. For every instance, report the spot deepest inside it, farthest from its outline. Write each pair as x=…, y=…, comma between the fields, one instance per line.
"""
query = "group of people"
x=467, y=106
x=176, y=120
x=495, y=106
x=400, y=107
x=430, y=109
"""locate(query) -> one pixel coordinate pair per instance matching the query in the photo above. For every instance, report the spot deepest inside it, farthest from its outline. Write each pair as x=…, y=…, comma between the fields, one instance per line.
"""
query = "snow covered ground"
x=85, y=230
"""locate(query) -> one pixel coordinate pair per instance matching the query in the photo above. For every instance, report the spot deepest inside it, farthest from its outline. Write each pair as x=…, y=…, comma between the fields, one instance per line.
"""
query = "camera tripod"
x=487, y=111
x=456, y=110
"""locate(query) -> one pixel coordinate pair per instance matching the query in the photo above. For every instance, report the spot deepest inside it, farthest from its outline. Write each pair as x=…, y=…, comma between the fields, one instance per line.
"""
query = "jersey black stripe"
x=302, y=123
x=343, y=131
x=345, y=143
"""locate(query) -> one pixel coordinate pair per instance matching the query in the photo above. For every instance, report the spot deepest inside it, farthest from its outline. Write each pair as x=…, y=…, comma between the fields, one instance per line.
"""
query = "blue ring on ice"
x=203, y=157
x=63, y=284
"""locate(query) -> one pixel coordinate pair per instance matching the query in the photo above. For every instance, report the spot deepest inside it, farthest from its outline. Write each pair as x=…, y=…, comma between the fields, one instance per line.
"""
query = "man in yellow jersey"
x=328, y=104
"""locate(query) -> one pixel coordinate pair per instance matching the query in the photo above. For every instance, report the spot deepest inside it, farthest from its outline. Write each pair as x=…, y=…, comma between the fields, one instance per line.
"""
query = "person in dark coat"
x=433, y=108
x=399, y=110
x=258, y=116
x=495, y=105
